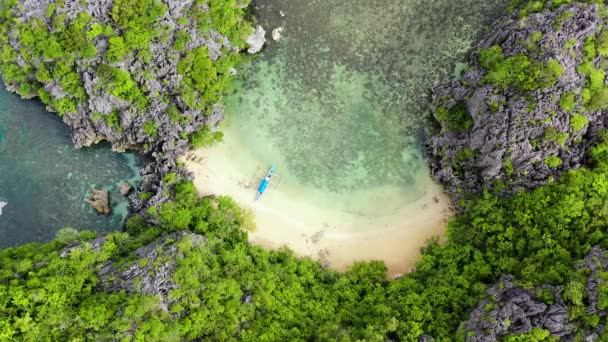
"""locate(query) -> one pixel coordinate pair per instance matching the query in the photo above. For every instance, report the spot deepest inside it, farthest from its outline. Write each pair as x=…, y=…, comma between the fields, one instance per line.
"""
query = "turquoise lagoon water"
x=45, y=181
x=339, y=103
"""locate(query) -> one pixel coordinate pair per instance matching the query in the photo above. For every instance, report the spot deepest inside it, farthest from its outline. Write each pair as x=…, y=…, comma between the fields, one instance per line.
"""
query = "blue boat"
x=264, y=183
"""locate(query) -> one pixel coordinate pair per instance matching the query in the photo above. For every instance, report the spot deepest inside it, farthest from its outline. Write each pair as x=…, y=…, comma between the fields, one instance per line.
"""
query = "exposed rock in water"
x=152, y=271
x=125, y=188
x=257, y=40
x=2, y=205
x=511, y=309
x=519, y=136
x=99, y=199
x=277, y=32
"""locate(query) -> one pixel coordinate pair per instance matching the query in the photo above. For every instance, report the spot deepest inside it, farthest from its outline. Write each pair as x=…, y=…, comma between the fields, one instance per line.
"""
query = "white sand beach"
x=319, y=226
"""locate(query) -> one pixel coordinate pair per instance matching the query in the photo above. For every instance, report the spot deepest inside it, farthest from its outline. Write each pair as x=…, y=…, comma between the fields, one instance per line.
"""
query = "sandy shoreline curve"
x=287, y=217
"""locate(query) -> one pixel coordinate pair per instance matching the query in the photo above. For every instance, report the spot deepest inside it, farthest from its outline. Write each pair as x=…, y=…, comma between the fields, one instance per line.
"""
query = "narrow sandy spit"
x=287, y=217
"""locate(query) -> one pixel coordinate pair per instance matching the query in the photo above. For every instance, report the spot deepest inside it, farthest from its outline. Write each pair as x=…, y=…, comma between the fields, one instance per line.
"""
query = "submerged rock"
x=520, y=135
x=99, y=199
x=277, y=32
x=257, y=40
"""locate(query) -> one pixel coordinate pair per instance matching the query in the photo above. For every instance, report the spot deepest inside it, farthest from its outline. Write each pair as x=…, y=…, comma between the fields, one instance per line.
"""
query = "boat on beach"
x=264, y=183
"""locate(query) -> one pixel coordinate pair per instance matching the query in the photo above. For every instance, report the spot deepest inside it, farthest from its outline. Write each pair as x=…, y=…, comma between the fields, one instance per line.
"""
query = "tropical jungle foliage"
x=536, y=236
x=518, y=71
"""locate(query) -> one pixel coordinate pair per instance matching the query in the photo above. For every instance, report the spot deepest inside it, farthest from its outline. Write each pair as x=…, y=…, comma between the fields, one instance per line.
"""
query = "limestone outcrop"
x=135, y=98
x=511, y=309
x=522, y=135
x=151, y=271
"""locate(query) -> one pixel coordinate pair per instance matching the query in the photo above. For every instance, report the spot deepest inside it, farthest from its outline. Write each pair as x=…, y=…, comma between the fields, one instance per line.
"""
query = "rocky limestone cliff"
x=151, y=271
x=159, y=128
x=150, y=268
x=511, y=309
x=519, y=136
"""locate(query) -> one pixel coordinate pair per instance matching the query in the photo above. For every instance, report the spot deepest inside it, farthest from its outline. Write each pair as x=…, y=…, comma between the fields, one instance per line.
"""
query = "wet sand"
x=289, y=216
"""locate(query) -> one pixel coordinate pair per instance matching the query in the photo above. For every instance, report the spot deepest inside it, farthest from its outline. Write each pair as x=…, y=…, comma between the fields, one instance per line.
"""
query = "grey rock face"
x=152, y=270
x=511, y=310
x=597, y=263
x=511, y=133
x=257, y=40
x=94, y=245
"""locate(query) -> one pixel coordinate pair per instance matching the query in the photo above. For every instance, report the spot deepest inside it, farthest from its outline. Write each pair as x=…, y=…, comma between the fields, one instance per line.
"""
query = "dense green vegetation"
x=204, y=137
x=526, y=7
x=456, y=118
x=536, y=236
x=518, y=71
x=204, y=80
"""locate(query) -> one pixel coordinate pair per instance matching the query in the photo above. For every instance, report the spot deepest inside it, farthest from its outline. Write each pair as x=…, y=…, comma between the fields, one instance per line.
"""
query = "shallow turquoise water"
x=339, y=103
x=45, y=181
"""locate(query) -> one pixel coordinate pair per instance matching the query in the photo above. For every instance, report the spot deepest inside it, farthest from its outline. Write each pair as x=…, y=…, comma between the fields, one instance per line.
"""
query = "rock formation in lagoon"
x=125, y=188
x=277, y=32
x=257, y=40
x=2, y=205
x=497, y=129
x=99, y=200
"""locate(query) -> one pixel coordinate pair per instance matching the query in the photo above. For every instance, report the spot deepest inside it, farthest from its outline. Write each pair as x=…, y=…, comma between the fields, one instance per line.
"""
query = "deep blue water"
x=45, y=180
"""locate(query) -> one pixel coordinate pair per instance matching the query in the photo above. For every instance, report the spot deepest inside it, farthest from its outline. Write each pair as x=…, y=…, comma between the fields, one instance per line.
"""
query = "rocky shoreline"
x=511, y=137
x=161, y=131
x=528, y=109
